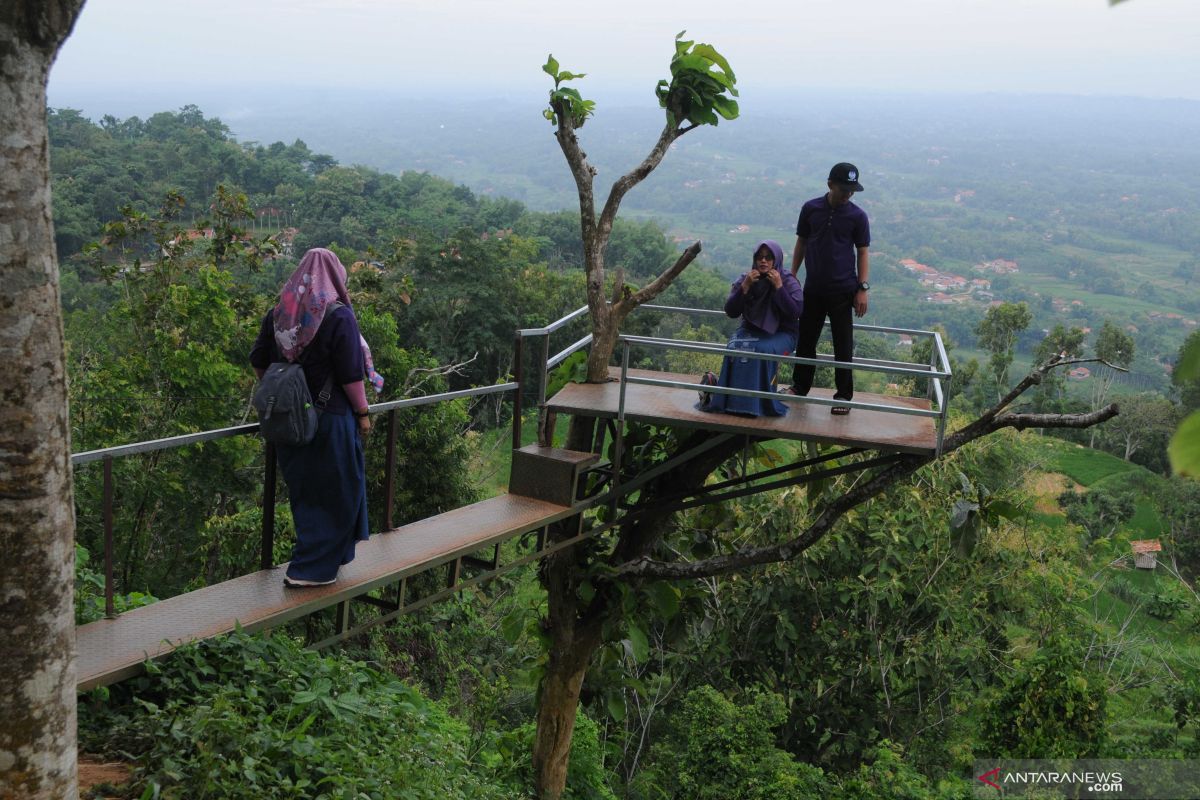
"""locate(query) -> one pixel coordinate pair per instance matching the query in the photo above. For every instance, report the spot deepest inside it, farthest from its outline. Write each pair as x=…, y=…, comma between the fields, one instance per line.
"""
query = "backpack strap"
x=327, y=390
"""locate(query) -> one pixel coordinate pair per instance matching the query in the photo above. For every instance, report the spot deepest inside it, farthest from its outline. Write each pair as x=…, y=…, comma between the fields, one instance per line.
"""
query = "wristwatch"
x=863, y=286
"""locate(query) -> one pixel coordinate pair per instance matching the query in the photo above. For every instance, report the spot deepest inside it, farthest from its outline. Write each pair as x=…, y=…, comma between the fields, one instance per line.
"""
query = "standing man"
x=832, y=238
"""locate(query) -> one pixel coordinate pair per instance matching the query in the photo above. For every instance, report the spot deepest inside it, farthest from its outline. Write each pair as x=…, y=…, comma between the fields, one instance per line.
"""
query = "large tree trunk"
x=571, y=647
x=37, y=683
x=576, y=628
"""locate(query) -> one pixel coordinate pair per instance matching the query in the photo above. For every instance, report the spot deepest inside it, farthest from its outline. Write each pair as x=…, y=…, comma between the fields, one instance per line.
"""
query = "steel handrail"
x=933, y=375
x=171, y=442
x=785, y=398
x=723, y=350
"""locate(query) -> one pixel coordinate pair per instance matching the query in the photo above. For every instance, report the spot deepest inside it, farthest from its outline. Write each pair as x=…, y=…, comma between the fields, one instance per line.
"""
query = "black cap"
x=846, y=174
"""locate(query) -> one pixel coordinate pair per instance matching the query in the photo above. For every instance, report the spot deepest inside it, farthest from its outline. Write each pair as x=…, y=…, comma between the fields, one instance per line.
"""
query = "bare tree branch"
x=632, y=178
x=581, y=170
x=659, y=284
x=989, y=422
x=417, y=377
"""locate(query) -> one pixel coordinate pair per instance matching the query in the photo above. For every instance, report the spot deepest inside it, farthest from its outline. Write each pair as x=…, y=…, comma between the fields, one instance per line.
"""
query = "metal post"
x=933, y=365
x=542, y=371
x=110, y=610
x=389, y=480
x=518, y=356
x=619, y=437
x=267, y=556
x=945, y=412
x=341, y=617
x=543, y=439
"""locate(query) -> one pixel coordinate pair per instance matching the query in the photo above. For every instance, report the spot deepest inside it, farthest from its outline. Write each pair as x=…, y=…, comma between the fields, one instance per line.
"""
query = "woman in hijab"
x=768, y=299
x=314, y=324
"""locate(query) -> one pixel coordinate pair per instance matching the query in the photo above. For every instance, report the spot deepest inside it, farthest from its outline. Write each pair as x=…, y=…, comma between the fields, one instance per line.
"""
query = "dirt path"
x=93, y=772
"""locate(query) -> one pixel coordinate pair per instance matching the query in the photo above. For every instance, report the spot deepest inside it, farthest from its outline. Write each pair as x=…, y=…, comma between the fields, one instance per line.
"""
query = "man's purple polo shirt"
x=832, y=236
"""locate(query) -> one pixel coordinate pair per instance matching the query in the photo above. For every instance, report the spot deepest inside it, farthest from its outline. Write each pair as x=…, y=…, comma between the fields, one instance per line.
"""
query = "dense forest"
x=1099, y=217
x=880, y=664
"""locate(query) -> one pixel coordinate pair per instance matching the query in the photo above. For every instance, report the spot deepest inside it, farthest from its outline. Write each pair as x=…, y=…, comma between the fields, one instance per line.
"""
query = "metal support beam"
x=341, y=617
x=266, y=558
x=110, y=609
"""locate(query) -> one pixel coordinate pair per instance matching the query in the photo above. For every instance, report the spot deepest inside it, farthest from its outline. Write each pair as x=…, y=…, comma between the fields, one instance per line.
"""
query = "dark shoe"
x=300, y=583
x=707, y=379
x=839, y=411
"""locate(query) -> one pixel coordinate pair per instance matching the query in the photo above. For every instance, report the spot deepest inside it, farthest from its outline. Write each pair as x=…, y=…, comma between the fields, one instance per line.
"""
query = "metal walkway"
x=110, y=650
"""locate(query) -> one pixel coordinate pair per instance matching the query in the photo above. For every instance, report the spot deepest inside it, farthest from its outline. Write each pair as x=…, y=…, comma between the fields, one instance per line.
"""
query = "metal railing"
x=935, y=373
x=267, y=541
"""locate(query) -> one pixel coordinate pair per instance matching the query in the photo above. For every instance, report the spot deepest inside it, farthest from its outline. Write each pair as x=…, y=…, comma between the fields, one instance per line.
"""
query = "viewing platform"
x=878, y=428
x=544, y=490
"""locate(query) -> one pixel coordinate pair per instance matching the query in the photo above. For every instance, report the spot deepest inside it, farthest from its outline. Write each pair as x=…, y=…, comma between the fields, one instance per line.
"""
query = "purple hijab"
x=760, y=310
x=319, y=281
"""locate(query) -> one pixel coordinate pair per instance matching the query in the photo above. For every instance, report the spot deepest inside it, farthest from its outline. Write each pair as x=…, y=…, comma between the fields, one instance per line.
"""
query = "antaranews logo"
x=1087, y=778
x=1000, y=778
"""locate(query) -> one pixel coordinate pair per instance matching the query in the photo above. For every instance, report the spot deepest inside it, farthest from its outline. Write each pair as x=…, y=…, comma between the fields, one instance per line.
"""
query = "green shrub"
x=1050, y=707
x=89, y=592
x=713, y=749
x=587, y=778
x=254, y=717
x=889, y=776
x=1167, y=602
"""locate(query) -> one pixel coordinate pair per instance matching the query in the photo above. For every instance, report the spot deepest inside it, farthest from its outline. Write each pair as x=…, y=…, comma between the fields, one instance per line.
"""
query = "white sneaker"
x=298, y=583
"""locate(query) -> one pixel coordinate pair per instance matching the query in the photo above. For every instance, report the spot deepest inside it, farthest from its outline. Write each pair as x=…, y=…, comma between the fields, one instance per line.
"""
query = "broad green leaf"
x=586, y=591
x=665, y=598
x=570, y=76
x=682, y=45
x=1189, y=361
x=961, y=515
x=551, y=67
x=616, y=706
x=709, y=52
x=1184, y=449
x=639, y=645
x=726, y=107
x=1003, y=508
x=512, y=625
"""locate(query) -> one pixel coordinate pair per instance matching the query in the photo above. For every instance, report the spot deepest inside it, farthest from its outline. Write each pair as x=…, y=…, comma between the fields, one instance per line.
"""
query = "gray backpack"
x=286, y=412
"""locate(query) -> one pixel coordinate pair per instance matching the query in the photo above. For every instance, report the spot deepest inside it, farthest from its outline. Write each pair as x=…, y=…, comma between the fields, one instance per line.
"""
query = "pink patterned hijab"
x=319, y=281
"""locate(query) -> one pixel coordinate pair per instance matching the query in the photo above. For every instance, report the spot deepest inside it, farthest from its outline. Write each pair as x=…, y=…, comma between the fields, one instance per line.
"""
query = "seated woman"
x=768, y=299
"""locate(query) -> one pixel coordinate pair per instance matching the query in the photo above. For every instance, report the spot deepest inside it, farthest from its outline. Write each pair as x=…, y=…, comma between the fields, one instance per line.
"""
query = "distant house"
x=916, y=266
x=1079, y=374
x=1143, y=553
x=1000, y=266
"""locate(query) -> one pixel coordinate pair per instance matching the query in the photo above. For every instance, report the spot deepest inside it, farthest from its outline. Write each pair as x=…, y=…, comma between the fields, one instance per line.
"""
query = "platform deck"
x=870, y=429
x=111, y=650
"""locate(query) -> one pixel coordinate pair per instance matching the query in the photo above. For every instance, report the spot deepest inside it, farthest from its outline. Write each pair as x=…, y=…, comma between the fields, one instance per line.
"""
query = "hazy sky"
x=1139, y=47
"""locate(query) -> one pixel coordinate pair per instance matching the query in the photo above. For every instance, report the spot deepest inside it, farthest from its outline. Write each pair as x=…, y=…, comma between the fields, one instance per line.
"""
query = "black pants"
x=840, y=310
